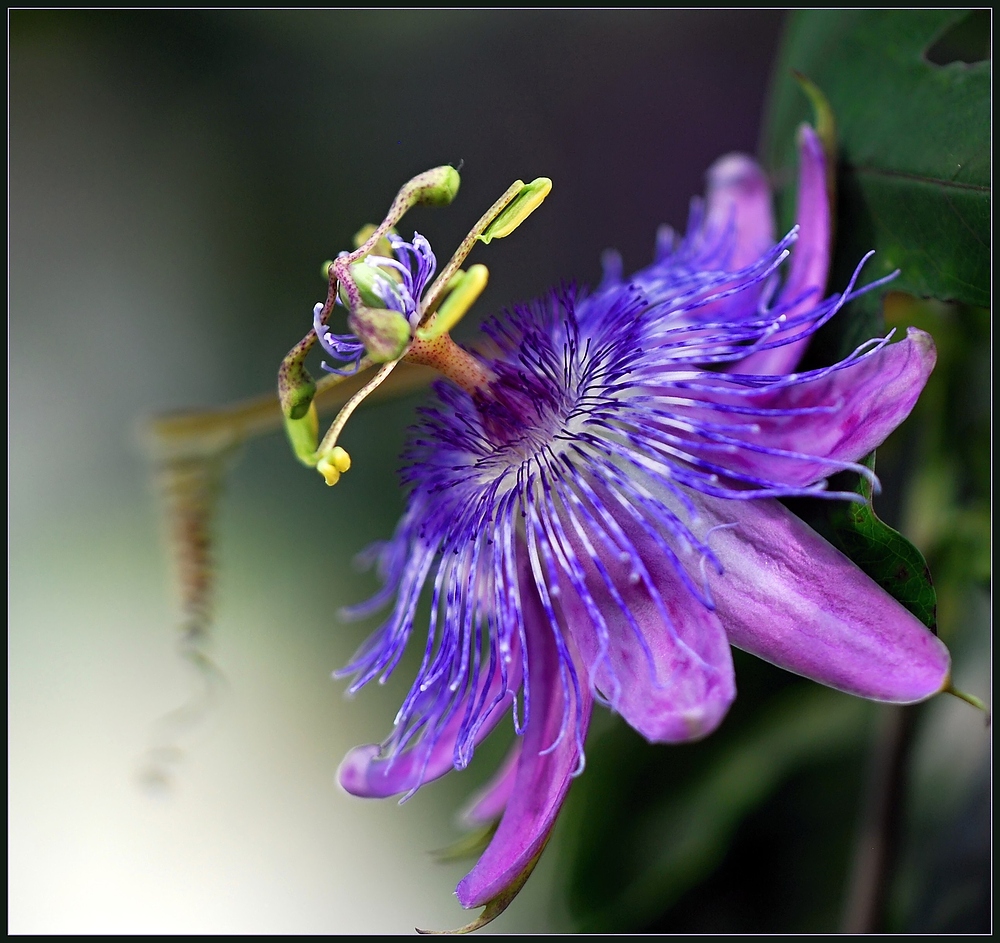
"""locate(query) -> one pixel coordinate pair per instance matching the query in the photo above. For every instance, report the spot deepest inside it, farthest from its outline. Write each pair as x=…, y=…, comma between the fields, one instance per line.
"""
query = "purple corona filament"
x=414, y=267
x=343, y=348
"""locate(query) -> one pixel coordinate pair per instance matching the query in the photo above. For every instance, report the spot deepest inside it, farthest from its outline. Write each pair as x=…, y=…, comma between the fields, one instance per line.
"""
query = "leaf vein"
x=919, y=178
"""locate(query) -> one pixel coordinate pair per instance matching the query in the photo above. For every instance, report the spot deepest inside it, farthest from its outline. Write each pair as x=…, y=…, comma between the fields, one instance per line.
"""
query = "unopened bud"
x=385, y=333
x=436, y=187
x=375, y=287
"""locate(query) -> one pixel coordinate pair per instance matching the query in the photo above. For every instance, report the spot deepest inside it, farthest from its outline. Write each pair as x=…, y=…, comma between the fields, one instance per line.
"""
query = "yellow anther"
x=382, y=247
x=331, y=475
x=519, y=200
x=340, y=459
x=332, y=466
x=464, y=292
x=527, y=200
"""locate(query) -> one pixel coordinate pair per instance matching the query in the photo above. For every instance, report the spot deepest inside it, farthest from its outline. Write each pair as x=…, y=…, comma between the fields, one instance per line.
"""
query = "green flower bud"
x=436, y=187
x=376, y=288
x=384, y=333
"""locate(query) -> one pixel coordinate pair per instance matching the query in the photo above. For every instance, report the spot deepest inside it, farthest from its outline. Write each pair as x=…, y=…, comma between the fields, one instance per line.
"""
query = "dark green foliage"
x=651, y=825
x=883, y=553
x=914, y=160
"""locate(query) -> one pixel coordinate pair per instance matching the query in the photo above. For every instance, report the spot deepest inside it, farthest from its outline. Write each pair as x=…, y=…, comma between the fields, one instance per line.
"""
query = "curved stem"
x=433, y=295
x=877, y=846
x=209, y=431
x=333, y=433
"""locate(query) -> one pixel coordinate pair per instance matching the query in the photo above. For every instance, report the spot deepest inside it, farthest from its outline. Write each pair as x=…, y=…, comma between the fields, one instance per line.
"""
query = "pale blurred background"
x=176, y=180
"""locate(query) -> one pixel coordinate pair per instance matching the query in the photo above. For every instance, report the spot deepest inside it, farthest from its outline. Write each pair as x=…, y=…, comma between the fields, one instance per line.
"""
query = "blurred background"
x=176, y=181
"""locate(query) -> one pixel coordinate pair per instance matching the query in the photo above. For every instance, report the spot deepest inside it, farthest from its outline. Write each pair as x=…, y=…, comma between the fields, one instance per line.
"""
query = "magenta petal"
x=670, y=678
x=791, y=598
x=735, y=233
x=363, y=773
x=811, y=255
x=543, y=774
x=856, y=407
x=738, y=195
x=488, y=804
x=810, y=261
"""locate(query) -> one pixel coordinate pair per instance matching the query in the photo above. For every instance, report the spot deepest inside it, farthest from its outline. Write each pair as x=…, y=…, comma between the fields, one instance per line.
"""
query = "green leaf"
x=884, y=554
x=914, y=162
x=471, y=845
x=671, y=825
x=495, y=905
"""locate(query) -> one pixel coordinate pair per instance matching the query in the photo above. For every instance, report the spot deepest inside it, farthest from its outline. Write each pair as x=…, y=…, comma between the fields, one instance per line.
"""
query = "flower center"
x=536, y=402
x=520, y=421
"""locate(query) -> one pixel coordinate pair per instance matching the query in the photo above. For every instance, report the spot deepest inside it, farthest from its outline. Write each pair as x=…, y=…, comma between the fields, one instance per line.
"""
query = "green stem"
x=433, y=295
x=877, y=846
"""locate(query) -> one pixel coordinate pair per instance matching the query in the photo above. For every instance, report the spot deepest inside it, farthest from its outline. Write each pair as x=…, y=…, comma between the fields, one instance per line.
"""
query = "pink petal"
x=737, y=200
x=791, y=598
x=810, y=261
x=736, y=231
x=488, y=804
x=738, y=195
x=543, y=774
x=866, y=401
x=670, y=678
x=363, y=773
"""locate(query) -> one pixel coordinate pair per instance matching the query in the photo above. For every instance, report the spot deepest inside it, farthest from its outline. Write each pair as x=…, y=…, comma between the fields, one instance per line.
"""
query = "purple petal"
x=838, y=415
x=730, y=232
x=656, y=652
x=488, y=804
x=363, y=773
x=543, y=774
x=810, y=258
x=792, y=599
x=738, y=195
